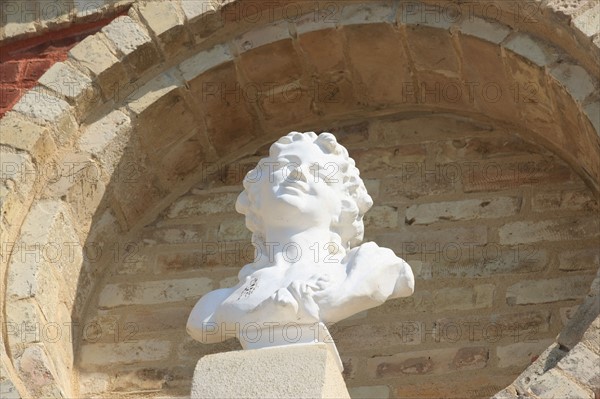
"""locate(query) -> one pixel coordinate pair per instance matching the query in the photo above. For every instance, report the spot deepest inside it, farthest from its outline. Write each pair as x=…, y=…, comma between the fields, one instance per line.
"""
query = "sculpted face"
x=298, y=187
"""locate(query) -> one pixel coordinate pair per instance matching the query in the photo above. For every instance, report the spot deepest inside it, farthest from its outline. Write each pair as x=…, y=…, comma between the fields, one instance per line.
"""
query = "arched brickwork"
x=103, y=160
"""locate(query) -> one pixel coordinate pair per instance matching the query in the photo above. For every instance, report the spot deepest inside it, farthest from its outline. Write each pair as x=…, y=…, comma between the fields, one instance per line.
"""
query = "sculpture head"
x=314, y=174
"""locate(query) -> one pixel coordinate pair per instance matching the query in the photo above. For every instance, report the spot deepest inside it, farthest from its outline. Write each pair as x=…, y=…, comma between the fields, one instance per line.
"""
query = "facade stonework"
x=476, y=133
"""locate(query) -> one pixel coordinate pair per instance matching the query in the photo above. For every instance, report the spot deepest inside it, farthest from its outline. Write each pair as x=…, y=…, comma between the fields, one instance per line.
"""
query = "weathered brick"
x=174, y=235
x=584, y=259
x=564, y=229
x=202, y=205
x=432, y=50
x=436, y=361
x=544, y=291
x=462, y=210
x=234, y=230
x=494, y=327
x=385, y=217
x=415, y=183
x=153, y=292
x=396, y=160
x=494, y=176
x=572, y=200
x=151, y=319
x=375, y=336
x=35, y=68
x=488, y=81
x=275, y=64
x=377, y=85
x=520, y=354
x=10, y=71
x=104, y=354
x=434, y=241
x=218, y=92
x=202, y=17
x=469, y=260
x=440, y=300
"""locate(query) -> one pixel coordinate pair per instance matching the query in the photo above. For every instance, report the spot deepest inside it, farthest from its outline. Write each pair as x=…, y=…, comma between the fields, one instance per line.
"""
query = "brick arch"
x=200, y=63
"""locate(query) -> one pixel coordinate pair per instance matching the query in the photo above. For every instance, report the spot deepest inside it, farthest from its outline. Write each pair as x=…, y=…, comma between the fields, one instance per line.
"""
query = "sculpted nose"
x=300, y=174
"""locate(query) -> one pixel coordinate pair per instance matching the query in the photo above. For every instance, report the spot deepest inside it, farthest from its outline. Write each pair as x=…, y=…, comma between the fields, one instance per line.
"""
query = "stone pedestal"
x=293, y=371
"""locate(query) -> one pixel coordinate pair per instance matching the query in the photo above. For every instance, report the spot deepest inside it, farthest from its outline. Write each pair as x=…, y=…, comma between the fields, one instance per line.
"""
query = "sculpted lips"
x=295, y=184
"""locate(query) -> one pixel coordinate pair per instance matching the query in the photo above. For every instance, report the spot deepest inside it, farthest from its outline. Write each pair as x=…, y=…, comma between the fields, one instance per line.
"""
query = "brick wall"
x=500, y=234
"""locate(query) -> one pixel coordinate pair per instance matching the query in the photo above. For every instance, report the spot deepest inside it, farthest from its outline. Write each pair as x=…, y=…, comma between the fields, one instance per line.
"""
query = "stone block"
x=64, y=79
x=521, y=354
x=483, y=29
x=39, y=104
x=554, y=384
x=48, y=237
x=153, y=292
x=279, y=372
x=133, y=44
x=262, y=36
x=531, y=48
x=106, y=138
x=581, y=365
x=204, y=60
x=564, y=229
x=164, y=22
x=417, y=181
x=420, y=13
x=18, y=174
x=188, y=234
x=93, y=54
x=203, y=17
x=576, y=79
x=376, y=336
x=377, y=85
x=234, y=230
x=589, y=21
x=392, y=161
x=546, y=291
x=367, y=13
x=462, y=210
x=24, y=135
x=38, y=373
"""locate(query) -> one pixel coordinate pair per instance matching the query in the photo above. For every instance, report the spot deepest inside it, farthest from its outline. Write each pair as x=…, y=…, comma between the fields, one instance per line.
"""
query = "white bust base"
x=293, y=371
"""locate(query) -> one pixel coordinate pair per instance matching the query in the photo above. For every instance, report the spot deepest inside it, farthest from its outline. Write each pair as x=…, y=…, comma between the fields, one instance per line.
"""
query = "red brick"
x=36, y=68
x=9, y=71
x=9, y=96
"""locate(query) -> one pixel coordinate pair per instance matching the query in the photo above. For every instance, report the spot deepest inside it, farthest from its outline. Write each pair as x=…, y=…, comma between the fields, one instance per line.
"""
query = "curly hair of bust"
x=348, y=225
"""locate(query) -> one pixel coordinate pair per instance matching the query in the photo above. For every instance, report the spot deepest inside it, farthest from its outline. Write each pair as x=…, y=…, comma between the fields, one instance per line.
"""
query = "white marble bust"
x=304, y=205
